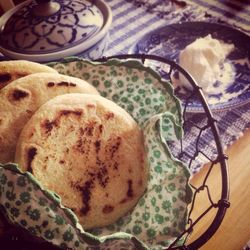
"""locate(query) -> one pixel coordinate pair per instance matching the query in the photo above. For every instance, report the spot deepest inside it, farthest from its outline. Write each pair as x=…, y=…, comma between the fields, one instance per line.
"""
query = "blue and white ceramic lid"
x=44, y=28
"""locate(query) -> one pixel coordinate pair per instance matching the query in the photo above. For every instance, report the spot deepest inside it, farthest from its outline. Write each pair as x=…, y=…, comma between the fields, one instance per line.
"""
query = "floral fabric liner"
x=161, y=213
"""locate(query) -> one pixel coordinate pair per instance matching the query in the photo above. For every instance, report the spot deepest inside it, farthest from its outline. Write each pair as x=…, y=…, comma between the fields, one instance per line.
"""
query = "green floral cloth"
x=161, y=213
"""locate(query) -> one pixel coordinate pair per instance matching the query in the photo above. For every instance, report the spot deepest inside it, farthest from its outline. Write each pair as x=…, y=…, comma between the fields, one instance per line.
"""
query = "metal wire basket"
x=218, y=205
x=219, y=160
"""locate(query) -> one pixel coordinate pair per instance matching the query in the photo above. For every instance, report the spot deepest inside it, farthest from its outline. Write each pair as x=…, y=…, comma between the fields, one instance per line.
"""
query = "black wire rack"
x=14, y=237
x=220, y=160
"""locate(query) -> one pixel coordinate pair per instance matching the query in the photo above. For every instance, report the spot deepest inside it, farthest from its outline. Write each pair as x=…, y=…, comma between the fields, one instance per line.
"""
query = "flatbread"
x=12, y=70
x=88, y=150
x=22, y=97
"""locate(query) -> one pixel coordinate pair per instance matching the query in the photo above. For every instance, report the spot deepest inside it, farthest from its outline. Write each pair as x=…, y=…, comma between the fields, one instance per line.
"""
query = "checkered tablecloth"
x=134, y=18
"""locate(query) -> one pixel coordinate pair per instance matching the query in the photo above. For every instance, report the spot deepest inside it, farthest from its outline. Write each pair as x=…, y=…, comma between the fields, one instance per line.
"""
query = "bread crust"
x=88, y=150
x=12, y=70
x=22, y=97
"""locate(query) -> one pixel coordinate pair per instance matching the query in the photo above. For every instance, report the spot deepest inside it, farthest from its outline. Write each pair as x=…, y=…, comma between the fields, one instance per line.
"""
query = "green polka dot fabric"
x=26, y=204
x=137, y=89
x=161, y=213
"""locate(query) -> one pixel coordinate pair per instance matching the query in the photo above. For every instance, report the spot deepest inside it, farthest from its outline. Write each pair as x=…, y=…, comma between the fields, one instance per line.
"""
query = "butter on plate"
x=204, y=59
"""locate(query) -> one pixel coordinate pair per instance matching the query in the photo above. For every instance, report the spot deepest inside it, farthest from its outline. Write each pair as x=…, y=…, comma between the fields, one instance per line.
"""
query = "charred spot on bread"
x=5, y=78
x=102, y=173
x=109, y=115
x=100, y=128
x=89, y=129
x=86, y=196
x=91, y=175
x=66, y=84
x=97, y=145
x=47, y=125
x=79, y=146
x=115, y=165
x=18, y=94
x=61, y=84
x=103, y=177
x=65, y=112
x=32, y=151
x=107, y=209
x=114, y=147
x=130, y=191
x=129, y=194
x=50, y=84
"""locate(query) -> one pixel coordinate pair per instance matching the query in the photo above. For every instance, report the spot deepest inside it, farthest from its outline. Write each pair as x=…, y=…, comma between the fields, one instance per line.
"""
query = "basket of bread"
x=85, y=161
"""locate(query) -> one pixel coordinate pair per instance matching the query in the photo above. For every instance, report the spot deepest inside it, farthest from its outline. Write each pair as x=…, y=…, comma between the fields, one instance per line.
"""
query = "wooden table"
x=234, y=231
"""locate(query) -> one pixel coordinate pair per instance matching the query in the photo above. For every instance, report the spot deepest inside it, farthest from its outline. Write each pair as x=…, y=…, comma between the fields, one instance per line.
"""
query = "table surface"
x=234, y=231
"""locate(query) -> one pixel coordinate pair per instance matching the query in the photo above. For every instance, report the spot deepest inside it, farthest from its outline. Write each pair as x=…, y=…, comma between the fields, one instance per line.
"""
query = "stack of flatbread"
x=76, y=143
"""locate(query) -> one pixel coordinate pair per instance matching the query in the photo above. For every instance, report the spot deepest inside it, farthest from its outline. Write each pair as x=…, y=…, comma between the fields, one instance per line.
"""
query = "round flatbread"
x=88, y=150
x=22, y=97
x=12, y=70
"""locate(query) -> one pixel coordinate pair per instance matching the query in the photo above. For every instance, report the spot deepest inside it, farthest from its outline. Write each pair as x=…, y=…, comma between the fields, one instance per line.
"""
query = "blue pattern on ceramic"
x=96, y=51
x=69, y=26
x=170, y=40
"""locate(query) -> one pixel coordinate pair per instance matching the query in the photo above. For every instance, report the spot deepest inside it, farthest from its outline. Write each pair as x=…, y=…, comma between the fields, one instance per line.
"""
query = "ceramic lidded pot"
x=45, y=30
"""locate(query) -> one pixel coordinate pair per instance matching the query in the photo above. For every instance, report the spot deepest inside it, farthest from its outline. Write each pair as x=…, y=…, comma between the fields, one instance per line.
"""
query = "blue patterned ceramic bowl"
x=44, y=30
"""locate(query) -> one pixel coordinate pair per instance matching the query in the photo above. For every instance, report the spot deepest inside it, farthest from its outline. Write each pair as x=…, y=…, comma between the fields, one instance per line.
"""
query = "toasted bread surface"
x=22, y=97
x=12, y=70
x=88, y=150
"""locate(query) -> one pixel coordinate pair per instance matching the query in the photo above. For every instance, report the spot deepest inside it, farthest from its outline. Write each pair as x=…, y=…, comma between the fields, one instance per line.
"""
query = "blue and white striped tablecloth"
x=134, y=18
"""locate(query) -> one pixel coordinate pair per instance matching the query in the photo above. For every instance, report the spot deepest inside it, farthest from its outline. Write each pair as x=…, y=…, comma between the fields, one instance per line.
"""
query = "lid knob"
x=45, y=8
